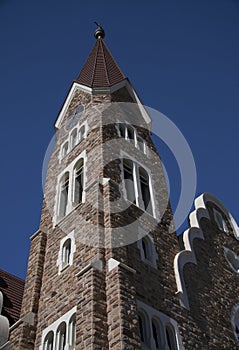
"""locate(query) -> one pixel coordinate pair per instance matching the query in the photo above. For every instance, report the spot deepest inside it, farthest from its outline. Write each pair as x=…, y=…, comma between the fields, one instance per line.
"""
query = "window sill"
x=150, y=263
x=69, y=152
x=59, y=221
x=64, y=267
x=143, y=210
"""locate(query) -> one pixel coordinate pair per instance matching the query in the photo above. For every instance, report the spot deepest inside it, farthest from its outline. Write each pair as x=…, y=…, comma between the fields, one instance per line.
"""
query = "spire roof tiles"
x=100, y=69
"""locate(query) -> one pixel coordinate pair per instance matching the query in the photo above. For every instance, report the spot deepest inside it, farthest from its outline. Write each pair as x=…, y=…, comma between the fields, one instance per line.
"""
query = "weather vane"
x=99, y=33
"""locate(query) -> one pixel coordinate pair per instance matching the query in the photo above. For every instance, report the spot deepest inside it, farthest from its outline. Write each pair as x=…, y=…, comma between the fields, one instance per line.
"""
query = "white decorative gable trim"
x=195, y=231
x=75, y=86
x=124, y=83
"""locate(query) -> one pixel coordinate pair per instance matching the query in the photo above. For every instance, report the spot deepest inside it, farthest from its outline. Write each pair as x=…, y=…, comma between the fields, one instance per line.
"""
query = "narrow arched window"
x=221, y=223
x=142, y=328
x=61, y=336
x=48, y=341
x=72, y=332
x=232, y=259
x=146, y=247
x=141, y=144
x=73, y=138
x=156, y=333
x=64, y=150
x=129, y=180
x=170, y=337
x=78, y=181
x=63, y=195
x=145, y=190
x=82, y=133
x=235, y=321
x=130, y=133
x=66, y=252
x=121, y=128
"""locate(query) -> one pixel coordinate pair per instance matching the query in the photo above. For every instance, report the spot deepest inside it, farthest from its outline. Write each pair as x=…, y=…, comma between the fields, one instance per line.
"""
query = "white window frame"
x=65, y=178
x=60, y=263
x=61, y=338
x=163, y=321
x=46, y=344
x=221, y=224
x=146, y=329
x=234, y=320
x=74, y=203
x=139, y=140
x=70, y=202
x=227, y=253
x=153, y=256
x=73, y=138
x=54, y=327
x=79, y=137
x=64, y=153
x=136, y=183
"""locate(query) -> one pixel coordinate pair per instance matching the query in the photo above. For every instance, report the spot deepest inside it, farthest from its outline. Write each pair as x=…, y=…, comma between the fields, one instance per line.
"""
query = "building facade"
x=106, y=269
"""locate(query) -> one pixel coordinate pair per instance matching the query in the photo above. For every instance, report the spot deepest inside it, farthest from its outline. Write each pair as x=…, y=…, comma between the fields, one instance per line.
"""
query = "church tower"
x=105, y=240
x=106, y=270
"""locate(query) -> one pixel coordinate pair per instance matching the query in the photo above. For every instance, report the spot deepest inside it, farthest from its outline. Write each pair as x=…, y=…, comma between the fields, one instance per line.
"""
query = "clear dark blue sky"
x=181, y=56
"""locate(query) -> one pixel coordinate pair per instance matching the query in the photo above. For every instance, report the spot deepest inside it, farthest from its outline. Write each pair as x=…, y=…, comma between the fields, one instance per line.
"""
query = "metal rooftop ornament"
x=99, y=32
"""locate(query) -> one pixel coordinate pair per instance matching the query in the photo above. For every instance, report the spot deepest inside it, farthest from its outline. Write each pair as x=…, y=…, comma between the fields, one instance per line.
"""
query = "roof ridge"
x=114, y=61
x=106, y=70
x=95, y=62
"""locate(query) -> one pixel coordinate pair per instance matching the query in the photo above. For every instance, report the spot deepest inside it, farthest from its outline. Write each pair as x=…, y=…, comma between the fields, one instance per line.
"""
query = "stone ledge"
x=96, y=264
x=112, y=263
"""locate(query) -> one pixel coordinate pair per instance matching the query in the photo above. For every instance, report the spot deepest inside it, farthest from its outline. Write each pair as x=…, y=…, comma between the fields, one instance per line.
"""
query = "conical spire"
x=100, y=69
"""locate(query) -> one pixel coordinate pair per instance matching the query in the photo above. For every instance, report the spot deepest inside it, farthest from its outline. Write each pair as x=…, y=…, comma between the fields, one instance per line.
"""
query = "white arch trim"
x=188, y=255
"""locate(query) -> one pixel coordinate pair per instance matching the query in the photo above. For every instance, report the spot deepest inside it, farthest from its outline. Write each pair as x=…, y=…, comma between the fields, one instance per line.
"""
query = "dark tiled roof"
x=12, y=288
x=100, y=68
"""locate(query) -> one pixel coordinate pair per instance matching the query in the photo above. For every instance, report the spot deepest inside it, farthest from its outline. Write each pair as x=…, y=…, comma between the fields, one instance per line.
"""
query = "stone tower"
x=100, y=272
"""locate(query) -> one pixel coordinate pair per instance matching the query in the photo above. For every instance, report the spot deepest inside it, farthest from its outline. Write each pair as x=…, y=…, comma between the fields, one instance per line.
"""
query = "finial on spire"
x=99, y=32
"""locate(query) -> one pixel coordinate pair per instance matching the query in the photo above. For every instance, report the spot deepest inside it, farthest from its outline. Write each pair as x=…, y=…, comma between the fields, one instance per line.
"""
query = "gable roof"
x=12, y=288
x=100, y=69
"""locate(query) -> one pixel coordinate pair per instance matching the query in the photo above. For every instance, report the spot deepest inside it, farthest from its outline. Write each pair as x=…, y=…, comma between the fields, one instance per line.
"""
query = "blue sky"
x=181, y=57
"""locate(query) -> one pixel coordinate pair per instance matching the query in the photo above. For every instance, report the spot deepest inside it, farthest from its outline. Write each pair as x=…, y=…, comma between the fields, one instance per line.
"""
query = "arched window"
x=148, y=252
x=78, y=181
x=72, y=332
x=66, y=252
x=48, y=341
x=146, y=248
x=221, y=223
x=143, y=328
x=141, y=144
x=64, y=150
x=129, y=180
x=130, y=133
x=63, y=195
x=235, y=321
x=232, y=259
x=156, y=333
x=137, y=185
x=73, y=138
x=82, y=133
x=145, y=191
x=121, y=128
x=61, y=336
x=170, y=337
